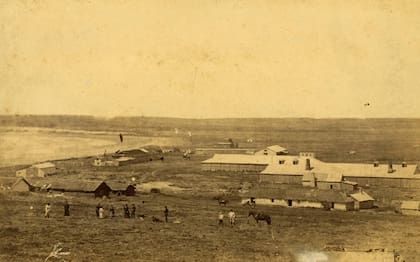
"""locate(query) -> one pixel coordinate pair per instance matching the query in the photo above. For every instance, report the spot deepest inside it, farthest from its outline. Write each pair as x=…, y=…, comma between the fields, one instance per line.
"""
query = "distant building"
x=325, y=199
x=236, y=163
x=120, y=188
x=410, y=208
x=98, y=188
x=120, y=161
x=274, y=150
x=38, y=170
x=14, y=184
x=362, y=200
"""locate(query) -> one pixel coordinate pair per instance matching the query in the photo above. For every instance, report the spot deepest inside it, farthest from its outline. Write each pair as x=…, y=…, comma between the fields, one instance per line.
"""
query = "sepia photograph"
x=209, y=130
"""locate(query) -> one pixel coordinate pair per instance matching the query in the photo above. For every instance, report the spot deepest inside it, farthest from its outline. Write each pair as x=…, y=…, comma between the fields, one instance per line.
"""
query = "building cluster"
x=323, y=185
x=277, y=167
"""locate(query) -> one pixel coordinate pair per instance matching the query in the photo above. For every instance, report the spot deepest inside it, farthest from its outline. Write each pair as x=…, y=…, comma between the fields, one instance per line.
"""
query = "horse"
x=260, y=216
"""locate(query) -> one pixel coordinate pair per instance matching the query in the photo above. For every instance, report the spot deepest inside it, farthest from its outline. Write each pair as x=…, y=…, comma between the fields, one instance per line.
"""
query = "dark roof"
x=67, y=184
x=300, y=194
x=118, y=186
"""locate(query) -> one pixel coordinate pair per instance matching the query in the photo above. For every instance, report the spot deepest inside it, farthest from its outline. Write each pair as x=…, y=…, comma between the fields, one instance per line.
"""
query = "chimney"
x=390, y=170
x=308, y=164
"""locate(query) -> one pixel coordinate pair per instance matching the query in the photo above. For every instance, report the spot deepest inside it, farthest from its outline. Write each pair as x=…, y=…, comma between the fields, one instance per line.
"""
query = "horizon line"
x=203, y=118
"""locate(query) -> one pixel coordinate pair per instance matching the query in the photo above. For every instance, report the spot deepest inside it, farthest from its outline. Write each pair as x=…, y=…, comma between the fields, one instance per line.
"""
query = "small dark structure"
x=120, y=188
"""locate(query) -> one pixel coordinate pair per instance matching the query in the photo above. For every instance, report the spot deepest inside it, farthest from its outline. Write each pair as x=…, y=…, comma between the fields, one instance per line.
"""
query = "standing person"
x=126, y=211
x=221, y=218
x=166, y=212
x=97, y=209
x=232, y=217
x=101, y=212
x=112, y=210
x=133, y=211
x=66, y=209
x=47, y=210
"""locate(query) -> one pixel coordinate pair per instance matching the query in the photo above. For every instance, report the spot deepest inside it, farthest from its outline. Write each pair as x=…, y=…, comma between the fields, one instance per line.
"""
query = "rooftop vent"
x=308, y=164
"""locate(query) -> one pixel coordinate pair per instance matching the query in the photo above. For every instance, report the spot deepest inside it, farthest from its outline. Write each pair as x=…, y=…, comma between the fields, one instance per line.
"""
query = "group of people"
x=231, y=216
x=100, y=211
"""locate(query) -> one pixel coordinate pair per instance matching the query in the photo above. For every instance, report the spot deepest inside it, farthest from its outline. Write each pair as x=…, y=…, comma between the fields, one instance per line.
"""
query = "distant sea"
x=31, y=145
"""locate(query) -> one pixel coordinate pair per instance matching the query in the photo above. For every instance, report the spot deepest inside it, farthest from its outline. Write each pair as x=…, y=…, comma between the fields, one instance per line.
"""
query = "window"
x=331, y=186
x=295, y=162
x=281, y=162
x=272, y=200
x=289, y=203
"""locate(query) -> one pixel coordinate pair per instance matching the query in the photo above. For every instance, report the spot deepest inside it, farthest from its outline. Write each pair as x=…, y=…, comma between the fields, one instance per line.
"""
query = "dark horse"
x=260, y=216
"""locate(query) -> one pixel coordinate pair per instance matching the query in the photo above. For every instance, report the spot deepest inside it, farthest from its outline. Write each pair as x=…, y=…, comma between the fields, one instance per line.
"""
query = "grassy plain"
x=27, y=236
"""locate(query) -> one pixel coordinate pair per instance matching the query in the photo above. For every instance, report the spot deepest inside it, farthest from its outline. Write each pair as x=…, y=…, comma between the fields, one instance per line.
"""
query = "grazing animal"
x=156, y=220
x=260, y=216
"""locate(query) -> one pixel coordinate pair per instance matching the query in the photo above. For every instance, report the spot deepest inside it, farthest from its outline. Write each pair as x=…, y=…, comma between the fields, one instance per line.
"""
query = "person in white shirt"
x=232, y=217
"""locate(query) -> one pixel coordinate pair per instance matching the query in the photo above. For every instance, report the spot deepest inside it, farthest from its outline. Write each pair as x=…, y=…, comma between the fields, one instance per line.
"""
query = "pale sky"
x=214, y=58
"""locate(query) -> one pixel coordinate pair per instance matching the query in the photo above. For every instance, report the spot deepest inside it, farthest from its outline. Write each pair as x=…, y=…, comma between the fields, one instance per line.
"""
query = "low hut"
x=98, y=188
x=410, y=208
x=362, y=200
x=298, y=198
x=38, y=170
x=120, y=188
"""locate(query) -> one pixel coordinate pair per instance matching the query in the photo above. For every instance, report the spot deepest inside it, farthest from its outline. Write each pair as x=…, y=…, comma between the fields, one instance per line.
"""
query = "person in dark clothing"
x=112, y=211
x=133, y=211
x=166, y=212
x=126, y=211
x=66, y=209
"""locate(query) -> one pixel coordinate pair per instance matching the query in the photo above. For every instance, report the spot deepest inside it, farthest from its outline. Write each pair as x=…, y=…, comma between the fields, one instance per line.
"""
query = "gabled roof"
x=288, y=168
x=277, y=148
x=239, y=159
x=44, y=165
x=412, y=205
x=361, y=197
x=332, y=177
x=67, y=184
x=10, y=182
x=117, y=186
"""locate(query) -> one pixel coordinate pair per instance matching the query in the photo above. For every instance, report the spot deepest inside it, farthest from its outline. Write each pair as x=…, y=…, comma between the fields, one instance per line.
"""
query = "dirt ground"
x=192, y=232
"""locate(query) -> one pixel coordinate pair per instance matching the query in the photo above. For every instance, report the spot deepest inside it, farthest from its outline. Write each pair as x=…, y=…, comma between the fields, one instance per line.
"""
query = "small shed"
x=38, y=170
x=362, y=200
x=328, y=181
x=410, y=208
x=349, y=186
x=274, y=150
x=120, y=188
x=15, y=184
